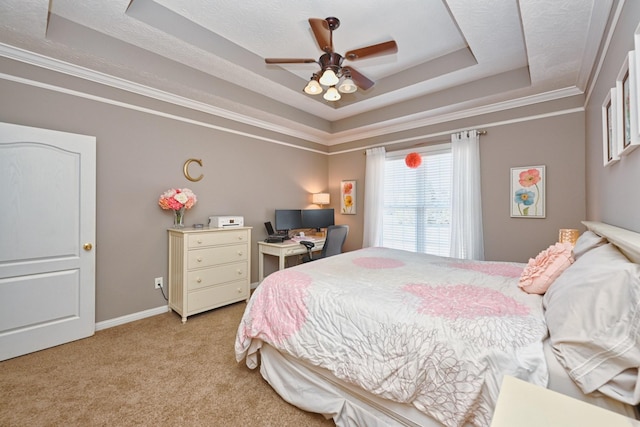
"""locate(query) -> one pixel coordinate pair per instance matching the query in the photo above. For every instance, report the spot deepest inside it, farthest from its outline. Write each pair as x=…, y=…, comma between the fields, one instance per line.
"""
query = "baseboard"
x=131, y=317
x=254, y=285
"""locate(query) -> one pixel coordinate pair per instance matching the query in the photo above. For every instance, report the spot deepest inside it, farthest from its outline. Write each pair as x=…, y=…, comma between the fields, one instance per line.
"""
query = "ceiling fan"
x=331, y=69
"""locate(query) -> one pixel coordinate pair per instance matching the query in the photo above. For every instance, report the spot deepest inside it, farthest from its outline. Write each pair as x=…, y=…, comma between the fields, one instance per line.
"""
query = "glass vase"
x=178, y=218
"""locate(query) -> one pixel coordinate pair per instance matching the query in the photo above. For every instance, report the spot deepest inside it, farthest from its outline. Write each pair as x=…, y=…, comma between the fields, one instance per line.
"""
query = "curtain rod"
x=423, y=144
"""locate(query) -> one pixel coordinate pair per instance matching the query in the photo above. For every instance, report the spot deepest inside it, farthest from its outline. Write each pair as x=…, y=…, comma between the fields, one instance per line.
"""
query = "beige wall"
x=250, y=171
x=612, y=191
x=349, y=166
x=556, y=142
x=139, y=155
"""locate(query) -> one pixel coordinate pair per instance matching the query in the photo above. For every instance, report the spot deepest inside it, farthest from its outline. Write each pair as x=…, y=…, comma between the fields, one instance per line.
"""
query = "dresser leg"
x=184, y=320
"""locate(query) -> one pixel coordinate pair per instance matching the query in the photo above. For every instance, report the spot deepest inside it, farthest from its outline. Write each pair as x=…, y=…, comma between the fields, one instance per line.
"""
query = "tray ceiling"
x=453, y=55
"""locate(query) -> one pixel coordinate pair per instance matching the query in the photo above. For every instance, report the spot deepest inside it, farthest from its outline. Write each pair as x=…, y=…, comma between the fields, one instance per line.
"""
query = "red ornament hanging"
x=413, y=160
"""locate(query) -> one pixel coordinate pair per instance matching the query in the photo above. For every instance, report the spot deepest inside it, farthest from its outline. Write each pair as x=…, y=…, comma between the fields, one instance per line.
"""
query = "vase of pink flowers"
x=178, y=200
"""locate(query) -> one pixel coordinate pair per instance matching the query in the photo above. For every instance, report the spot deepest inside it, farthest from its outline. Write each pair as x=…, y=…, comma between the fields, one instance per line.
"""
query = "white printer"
x=225, y=221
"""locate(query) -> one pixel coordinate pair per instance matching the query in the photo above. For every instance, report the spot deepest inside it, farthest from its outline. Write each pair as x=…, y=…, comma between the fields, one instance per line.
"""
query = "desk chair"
x=336, y=235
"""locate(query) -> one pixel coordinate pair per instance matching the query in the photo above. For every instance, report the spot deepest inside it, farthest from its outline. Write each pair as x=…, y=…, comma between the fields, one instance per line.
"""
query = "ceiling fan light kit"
x=329, y=78
x=332, y=94
x=313, y=87
x=347, y=86
x=331, y=69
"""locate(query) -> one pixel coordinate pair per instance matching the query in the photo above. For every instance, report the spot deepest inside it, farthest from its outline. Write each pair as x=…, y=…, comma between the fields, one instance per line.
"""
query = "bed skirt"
x=316, y=390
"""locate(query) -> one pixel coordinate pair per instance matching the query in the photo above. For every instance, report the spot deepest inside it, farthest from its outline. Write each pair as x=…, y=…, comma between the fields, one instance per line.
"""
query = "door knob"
x=87, y=246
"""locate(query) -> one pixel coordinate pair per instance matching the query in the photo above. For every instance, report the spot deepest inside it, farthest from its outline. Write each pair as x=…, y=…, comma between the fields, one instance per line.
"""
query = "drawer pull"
x=239, y=253
x=199, y=241
x=239, y=272
x=199, y=280
x=199, y=259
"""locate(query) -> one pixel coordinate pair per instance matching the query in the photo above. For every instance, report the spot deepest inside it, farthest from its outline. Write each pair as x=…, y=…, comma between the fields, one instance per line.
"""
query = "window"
x=417, y=202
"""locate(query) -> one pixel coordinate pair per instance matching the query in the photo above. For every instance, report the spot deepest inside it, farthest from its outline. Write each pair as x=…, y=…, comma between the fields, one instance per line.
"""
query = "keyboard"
x=301, y=238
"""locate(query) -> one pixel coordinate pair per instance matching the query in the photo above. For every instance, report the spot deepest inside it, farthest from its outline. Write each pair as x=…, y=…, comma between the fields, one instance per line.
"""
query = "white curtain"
x=373, y=197
x=466, y=213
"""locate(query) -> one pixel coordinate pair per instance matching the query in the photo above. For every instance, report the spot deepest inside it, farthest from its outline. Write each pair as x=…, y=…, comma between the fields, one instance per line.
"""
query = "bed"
x=379, y=337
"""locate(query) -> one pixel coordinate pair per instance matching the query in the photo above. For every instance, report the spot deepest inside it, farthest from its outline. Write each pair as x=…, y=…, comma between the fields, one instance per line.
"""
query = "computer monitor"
x=288, y=219
x=317, y=218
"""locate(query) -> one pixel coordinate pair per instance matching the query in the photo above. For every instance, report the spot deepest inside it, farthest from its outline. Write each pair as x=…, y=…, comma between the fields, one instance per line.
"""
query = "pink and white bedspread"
x=437, y=333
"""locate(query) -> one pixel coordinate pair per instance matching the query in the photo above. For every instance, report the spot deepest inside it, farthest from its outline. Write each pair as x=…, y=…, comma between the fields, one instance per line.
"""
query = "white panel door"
x=47, y=238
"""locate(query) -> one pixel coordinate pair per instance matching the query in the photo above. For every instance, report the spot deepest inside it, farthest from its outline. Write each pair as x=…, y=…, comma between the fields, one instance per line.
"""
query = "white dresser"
x=208, y=268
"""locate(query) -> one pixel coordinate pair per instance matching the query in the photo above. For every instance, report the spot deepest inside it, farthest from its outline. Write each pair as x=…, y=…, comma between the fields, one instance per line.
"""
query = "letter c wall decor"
x=186, y=169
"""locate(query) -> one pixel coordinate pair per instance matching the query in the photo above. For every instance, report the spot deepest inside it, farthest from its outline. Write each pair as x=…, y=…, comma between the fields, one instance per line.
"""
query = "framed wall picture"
x=528, y=192
x=634, y=71
x=609, y=129
x=627, y=120
x=348, y=197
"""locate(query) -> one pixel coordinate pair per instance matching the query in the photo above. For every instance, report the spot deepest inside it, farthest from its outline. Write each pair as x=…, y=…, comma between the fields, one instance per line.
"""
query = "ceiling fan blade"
x=360, y=80
x=384, y=48
x=322, y=33
x=289, y=61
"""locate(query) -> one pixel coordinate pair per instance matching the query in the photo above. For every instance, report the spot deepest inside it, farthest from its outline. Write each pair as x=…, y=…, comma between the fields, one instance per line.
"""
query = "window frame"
x=421, y=243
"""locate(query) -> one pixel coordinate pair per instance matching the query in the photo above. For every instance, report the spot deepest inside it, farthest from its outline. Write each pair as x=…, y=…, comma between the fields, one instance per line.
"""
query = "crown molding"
x=73, y=70
x=447, y=133
x=605, y=49
x=428, y=118
x=404, y=123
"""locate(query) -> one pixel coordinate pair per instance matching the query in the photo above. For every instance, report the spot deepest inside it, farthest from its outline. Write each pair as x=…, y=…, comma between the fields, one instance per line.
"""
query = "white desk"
x=282, y=251
x=526, y=405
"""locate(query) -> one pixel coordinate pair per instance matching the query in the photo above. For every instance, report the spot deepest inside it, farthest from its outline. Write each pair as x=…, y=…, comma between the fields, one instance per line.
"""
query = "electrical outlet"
x=157, y=282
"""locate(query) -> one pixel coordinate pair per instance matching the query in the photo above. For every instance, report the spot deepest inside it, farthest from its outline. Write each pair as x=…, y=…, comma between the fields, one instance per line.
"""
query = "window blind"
x=417, y=202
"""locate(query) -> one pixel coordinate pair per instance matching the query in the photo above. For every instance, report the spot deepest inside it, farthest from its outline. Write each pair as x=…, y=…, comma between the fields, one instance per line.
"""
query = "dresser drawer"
x=217, y=296
x=215, y=275
x=218, y=238
x=200, y=258
x=208, y=268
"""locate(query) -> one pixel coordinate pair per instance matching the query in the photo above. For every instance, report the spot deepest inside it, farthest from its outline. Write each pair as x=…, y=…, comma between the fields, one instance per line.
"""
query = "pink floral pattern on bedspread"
x=408, y=327
x=377, y=262
x=279, y=311
x=464, y=301
x=503, y=320
x=492, y=268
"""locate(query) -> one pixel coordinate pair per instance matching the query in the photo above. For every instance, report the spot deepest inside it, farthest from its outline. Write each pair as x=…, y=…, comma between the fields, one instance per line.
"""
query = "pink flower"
x=529, y=177
x=177, y=198
x=347, y=188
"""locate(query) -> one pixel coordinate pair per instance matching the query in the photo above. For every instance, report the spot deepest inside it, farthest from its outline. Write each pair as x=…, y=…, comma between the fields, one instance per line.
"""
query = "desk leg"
x=281, y=259
x=260, y=266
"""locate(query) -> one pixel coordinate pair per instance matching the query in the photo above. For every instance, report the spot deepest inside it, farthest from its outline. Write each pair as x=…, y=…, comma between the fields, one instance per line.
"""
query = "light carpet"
x=151, y=372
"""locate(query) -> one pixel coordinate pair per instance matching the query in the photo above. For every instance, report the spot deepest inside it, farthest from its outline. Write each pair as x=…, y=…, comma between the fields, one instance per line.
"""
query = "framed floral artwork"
x=610, y=153
x=634, y=72
x=627, y=120
x=348, y=197
x=528, y=192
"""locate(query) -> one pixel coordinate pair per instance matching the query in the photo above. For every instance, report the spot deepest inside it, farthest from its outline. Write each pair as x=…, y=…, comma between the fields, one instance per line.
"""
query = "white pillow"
x=593, y=315
x=587, y=241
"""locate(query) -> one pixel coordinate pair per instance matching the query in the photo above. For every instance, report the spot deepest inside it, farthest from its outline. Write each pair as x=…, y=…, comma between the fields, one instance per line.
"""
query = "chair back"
x=336, y=235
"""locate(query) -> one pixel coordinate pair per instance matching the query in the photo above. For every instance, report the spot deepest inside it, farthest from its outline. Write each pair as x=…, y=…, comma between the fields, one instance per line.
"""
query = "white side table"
x=526, y=405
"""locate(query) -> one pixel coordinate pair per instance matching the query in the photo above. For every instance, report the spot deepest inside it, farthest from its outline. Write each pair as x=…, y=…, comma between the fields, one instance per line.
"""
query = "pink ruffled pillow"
x=542, y=270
